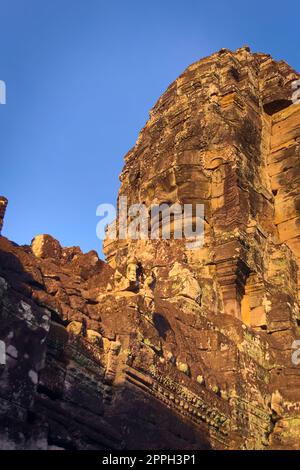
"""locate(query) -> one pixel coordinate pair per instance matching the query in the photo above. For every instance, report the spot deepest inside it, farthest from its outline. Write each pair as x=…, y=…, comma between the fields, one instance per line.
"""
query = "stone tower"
x=225, y=134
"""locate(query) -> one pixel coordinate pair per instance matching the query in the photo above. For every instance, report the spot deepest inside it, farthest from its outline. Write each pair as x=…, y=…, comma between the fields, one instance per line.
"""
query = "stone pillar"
x=3, y=204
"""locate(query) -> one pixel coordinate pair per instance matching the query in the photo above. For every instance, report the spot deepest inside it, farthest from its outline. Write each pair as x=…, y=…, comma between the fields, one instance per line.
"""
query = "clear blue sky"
x=81, y=77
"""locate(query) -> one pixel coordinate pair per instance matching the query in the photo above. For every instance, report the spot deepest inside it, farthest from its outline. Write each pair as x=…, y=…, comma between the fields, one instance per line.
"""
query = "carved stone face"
x=131, y=272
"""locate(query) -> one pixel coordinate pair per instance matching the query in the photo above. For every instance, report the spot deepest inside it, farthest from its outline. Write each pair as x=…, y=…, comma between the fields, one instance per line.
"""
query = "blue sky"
x=81, y=77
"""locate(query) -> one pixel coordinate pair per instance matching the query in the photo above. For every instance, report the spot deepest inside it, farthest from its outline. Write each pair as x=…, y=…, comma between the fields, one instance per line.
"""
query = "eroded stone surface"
x=165, y=347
